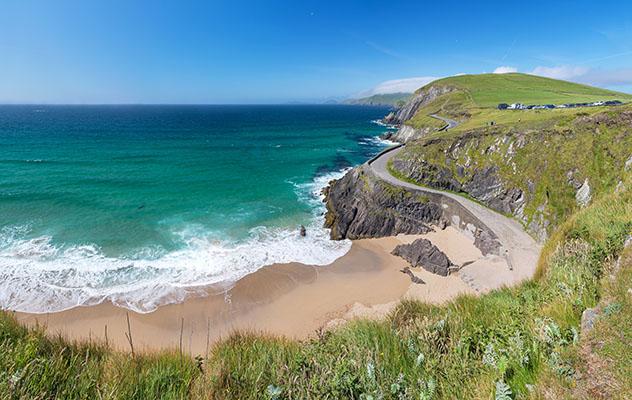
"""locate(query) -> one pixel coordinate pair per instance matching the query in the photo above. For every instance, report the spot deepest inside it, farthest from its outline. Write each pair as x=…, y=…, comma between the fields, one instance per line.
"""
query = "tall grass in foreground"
x=517, y=342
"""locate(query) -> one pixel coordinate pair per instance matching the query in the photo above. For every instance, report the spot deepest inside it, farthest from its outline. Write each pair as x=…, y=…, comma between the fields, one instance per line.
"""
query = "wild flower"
x=575, y=333
x=612, y=309
x=517, y=348
x=503, y=391
x=419, y=362
x=490, y=358
x=412, y=347
x=370, y=371
x=398, y=387
x=440, y=325
x=427, y=389
x=549, y=332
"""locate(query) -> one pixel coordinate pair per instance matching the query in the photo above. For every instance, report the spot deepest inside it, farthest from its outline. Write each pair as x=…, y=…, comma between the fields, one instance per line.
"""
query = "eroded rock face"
x=361, y=206
x=422, y=253
x=419, y=100
x=405, y=132
x=484, y=185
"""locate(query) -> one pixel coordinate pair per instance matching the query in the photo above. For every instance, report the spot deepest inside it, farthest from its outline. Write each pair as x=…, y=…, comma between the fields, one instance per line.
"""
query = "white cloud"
x=406, y=85
x=505, y=70
x=596, y=77
x=613, y=77
x=564, y=72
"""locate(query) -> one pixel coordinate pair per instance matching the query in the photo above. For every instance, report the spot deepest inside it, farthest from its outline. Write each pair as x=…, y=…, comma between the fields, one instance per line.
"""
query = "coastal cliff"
x=361, y=206
x=403, y=117
x=538, y=166
x=539, y=176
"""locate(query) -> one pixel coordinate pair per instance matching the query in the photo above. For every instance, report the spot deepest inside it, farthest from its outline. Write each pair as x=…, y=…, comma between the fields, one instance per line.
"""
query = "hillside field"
x=474, y=99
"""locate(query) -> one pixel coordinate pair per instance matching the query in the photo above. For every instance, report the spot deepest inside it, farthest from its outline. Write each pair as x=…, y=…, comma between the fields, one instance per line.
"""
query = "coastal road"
x=450, y=122
x=520, y=250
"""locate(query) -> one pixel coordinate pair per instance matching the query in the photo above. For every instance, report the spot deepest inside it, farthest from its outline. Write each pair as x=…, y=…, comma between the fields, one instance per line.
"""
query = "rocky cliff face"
x=405, y=132
x=418, y=100
x=361, y=206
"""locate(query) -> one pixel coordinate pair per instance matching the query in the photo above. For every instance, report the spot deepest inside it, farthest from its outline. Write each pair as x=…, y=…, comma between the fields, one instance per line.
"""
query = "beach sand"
x=291, y=300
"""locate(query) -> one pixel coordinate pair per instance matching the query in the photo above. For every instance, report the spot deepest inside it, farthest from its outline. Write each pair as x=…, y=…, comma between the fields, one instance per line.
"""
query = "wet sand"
x=292, y=300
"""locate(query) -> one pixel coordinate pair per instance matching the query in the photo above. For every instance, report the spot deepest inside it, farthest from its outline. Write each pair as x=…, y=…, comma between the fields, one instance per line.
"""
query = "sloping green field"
x=474, y=99
x=487, y=90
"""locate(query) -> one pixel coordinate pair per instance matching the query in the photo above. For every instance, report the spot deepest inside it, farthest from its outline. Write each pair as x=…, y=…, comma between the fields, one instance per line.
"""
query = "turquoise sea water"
x=141, y=205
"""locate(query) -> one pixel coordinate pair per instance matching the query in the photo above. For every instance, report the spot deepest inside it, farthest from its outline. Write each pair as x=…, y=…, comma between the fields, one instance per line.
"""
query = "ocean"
x=146, y=205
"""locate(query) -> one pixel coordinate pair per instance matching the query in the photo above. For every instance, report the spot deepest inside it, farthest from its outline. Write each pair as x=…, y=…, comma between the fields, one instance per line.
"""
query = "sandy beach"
x=291, y=300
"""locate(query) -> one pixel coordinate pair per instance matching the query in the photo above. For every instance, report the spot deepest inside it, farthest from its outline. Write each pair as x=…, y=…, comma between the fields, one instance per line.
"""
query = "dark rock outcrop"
x=422, y=253
x=391, y=118
x=360, y=205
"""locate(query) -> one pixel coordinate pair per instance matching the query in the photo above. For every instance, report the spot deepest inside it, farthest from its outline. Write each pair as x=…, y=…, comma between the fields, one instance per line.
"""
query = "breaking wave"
x=38, y=276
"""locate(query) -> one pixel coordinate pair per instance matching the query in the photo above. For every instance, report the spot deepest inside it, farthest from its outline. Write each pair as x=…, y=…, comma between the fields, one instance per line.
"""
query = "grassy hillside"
x=524, y=342
x=390, y=99
x=474, y=99
x=487, y=90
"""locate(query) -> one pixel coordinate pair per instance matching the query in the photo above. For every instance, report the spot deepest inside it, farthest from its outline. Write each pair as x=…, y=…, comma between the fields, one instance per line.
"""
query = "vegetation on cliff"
x=533, y=171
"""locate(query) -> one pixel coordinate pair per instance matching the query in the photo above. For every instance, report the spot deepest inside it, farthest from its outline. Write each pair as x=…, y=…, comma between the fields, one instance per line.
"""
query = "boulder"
x=583, y=194
x=422, y=253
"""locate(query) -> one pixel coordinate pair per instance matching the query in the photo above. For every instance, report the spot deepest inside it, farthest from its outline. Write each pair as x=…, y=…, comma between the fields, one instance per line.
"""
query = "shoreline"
x=291, y=300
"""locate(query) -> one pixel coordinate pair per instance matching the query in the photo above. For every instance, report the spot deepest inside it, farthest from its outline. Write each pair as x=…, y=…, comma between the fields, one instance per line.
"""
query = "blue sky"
x=278, y=51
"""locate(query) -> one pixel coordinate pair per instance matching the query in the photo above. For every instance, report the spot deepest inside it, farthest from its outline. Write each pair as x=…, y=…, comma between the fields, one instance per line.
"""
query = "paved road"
x=520, y=249
x=450, y=122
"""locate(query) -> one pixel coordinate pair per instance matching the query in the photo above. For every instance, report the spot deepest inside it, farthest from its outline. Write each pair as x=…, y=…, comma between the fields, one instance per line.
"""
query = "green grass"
x=524, y=339
x=474, y=99
x=487, y=90
x=33, y=366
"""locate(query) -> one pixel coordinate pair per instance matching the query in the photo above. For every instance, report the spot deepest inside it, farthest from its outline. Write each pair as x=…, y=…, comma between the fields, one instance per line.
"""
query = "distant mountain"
x=390, y=99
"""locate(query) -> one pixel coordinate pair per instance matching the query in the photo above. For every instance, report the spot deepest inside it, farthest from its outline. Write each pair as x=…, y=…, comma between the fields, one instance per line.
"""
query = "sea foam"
x=38, y=276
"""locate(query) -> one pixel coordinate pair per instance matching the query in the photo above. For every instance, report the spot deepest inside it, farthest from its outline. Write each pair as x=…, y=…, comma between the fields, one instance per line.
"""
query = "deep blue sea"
x=144, y=205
